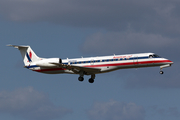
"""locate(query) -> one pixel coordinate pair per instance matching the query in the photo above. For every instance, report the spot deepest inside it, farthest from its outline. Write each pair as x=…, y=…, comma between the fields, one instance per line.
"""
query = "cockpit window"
x=154, y=56
x=150, y=56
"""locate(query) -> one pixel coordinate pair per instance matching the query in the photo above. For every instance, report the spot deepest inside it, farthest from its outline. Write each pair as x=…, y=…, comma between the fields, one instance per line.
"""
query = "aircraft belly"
x=113, y=68
x=130, y=64
x=52, y=70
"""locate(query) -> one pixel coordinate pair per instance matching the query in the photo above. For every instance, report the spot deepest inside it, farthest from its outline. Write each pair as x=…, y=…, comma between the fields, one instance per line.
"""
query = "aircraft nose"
x=171, y=62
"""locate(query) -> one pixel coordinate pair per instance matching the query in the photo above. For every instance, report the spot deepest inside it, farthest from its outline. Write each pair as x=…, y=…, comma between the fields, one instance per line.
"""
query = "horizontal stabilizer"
x=18, y=46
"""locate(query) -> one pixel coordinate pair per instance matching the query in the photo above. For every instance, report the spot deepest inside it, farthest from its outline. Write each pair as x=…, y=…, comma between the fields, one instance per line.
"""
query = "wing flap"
x=78, y=68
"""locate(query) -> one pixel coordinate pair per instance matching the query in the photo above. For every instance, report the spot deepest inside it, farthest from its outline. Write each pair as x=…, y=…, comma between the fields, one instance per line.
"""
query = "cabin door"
x=136, y=60
x=92, y=62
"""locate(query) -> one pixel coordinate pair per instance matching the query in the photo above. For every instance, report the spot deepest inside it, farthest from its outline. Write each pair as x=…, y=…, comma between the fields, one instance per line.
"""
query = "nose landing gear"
x=161, y=72
x=164, y=66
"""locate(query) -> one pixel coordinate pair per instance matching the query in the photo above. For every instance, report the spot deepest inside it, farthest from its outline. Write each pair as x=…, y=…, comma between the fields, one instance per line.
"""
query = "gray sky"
x=68, y=29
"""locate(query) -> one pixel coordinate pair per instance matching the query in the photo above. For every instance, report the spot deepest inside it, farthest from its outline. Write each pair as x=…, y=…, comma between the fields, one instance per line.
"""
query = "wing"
x=76, y=69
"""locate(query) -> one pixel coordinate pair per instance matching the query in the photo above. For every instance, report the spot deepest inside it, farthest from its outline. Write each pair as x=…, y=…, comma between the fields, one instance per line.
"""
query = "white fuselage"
x=104, y=63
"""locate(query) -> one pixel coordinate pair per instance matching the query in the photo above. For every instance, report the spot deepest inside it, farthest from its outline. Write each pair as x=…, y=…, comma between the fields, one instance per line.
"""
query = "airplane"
x=90, y=65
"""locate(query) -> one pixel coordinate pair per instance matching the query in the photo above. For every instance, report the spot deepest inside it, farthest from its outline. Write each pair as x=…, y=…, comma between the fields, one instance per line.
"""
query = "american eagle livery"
x=91, y=65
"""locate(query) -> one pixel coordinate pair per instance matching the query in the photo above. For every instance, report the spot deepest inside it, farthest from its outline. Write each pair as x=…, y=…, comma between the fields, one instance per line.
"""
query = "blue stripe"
x=28, y=57
x=107, y=60
x=32, y=66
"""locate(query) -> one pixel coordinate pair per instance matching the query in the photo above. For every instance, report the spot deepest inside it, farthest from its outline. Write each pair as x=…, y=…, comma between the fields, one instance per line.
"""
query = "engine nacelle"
x=48, y=62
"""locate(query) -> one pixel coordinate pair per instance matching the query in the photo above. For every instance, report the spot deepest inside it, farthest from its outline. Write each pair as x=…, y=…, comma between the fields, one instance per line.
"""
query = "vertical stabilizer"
x=27, y=53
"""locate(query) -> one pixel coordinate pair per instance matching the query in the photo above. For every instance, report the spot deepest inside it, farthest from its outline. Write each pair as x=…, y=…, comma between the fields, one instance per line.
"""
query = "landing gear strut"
x=164, y=66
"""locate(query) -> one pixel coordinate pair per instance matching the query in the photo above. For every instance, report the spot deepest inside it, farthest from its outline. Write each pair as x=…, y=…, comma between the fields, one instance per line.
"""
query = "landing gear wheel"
x=161, y=72
x=91, y=80
x=81, y=79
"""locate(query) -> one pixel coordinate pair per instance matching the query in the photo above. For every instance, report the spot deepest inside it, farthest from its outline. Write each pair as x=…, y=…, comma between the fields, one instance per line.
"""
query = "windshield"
x=154, y=56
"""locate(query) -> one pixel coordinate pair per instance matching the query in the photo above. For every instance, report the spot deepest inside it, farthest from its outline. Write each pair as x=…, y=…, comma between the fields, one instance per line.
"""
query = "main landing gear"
x=81, y=77
x=91, y=80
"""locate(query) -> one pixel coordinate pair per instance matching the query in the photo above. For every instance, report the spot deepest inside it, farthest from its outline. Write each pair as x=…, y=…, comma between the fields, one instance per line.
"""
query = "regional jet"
x=90, y=65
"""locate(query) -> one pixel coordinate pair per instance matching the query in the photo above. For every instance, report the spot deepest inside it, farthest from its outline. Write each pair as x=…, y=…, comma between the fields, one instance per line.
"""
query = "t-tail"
x=27, y=53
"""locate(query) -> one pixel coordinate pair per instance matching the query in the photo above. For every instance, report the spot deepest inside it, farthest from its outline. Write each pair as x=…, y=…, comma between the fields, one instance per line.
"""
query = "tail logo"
x=29, y=56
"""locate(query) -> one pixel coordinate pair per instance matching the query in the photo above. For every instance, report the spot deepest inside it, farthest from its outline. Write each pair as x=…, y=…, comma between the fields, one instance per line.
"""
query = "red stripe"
x=105, y=65
x=130, y=63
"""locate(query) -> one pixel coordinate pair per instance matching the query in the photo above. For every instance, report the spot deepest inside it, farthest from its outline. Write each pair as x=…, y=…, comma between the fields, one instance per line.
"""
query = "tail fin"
x=27, y=53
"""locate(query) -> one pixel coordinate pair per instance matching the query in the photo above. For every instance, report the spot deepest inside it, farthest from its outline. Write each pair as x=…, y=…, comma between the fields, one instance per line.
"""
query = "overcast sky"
x=68, y=29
